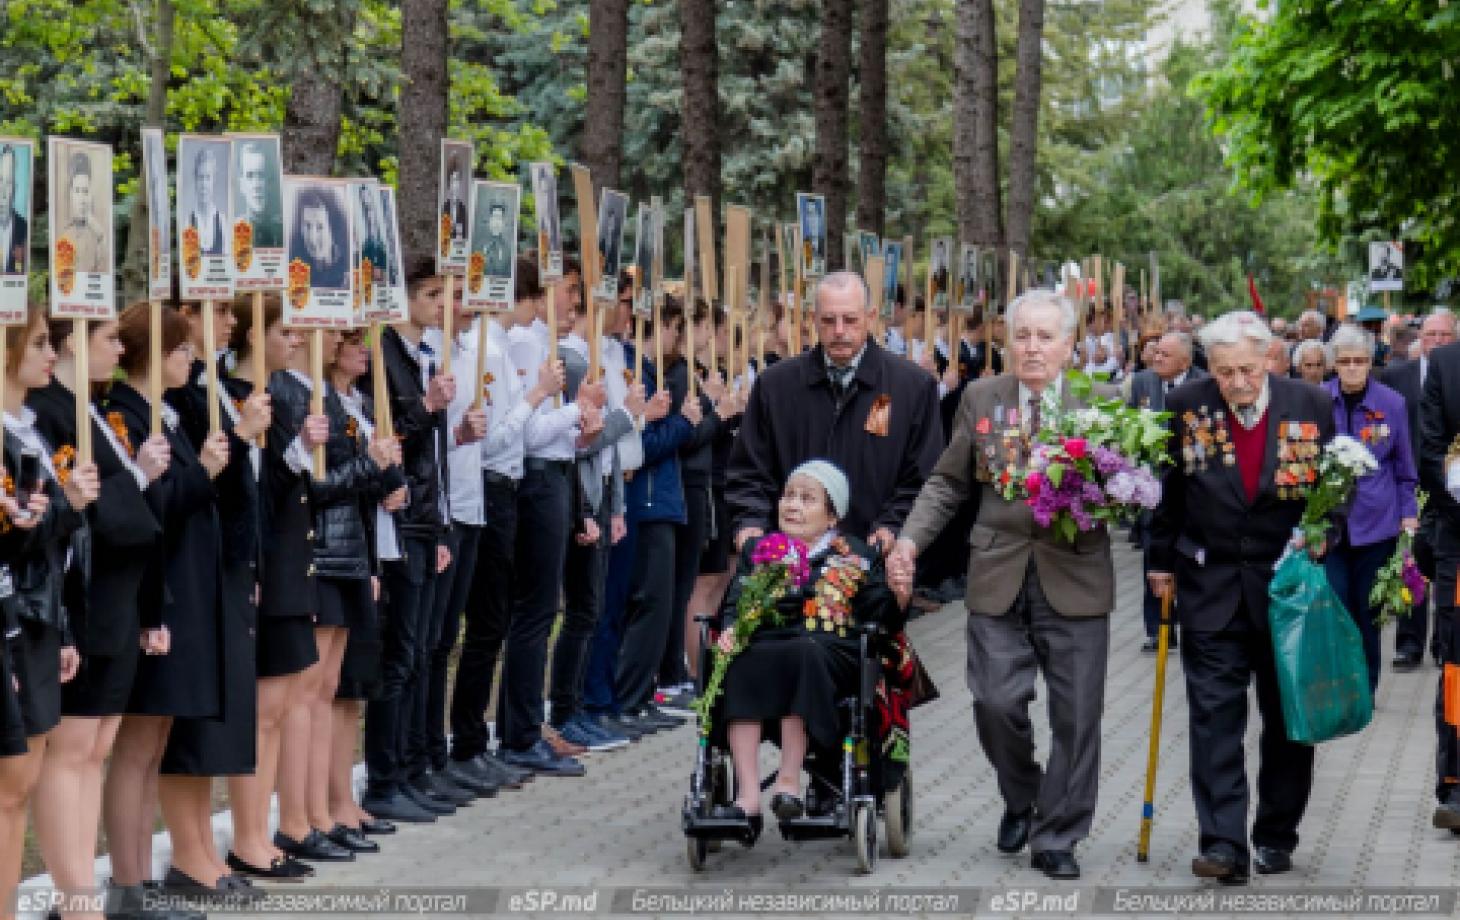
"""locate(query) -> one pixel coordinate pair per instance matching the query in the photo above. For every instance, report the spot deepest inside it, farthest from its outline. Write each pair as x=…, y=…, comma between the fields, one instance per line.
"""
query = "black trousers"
x=672, y=669
x=1412, y=633
x=1447, y=736
x=414, y=758
x=488, y=615
x=451, y=594
x=646, y=619
x=1219, y=667
x=543, y=502
x=405, y=584
x=583, y=592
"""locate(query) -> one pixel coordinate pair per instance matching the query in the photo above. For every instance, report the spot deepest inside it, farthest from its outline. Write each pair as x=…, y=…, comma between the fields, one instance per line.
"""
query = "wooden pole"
x=760, y=349
x=658, y=347
x=638, y=335
x=379, y=385
x=210, y=367
x=154, y=364
x=1013, y=287
x=316, y=395
x=256, y=345
x=81, y=350
x=730, y=299
x=799, y=285
x=687, y=345
x=1145, y=306
x=552, y=321
x=448, y=321
x=481, y=379
x=705, y=231
x=1117, y=301
x=930, y=321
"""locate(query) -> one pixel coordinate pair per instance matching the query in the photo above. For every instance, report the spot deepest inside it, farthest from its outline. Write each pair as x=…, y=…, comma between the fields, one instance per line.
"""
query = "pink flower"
x=1076, y=448
x=1033, y=483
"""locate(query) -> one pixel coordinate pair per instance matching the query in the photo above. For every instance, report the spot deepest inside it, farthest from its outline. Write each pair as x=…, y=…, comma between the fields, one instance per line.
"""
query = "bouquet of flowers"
x=780, y=564
x=1344, y=462
x=1399, y=584
x=1092, y=466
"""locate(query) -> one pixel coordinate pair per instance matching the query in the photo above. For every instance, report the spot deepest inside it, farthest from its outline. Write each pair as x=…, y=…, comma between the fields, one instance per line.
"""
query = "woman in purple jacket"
x=1384, y=501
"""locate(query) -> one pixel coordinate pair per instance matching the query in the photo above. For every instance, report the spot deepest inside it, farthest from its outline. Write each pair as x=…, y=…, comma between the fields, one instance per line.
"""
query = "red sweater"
x=1250, y=446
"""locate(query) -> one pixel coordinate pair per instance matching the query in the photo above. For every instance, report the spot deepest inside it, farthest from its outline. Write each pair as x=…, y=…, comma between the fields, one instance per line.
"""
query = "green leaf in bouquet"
x=1056, y=474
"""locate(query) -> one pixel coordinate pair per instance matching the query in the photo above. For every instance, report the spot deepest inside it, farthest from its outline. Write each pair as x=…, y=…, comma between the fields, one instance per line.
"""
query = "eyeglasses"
x=1352, y=362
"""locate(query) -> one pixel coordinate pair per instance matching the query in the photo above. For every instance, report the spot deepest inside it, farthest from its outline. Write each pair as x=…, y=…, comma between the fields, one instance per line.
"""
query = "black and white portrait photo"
x=491, y=268
x=811, y=214
x=968, y=278
x=549, y=232
x=159, y=214
x=317, y=238
x=452, y=206
x=202, y=192
x=17, y=165
x=82, y=282
x=1386, y=266
x=257, y=193
x=613, y=210
x=390, y=295
x=940, y=267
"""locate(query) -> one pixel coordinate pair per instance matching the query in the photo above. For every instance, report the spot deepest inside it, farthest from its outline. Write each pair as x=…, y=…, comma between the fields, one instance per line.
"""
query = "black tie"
x=841, y=378
x=1034, y=415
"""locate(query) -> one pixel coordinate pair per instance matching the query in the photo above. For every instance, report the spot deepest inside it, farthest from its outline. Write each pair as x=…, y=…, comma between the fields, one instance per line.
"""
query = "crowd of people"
x=242, y=590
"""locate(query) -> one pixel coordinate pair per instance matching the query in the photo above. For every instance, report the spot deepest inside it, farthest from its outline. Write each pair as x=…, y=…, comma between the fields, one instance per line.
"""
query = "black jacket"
x=345, y=500
x=697, y=455
x=288, y=586
x=1221, y=547
x=1439, y=422
x=423, y=440
x=37, y=557
x=792, y=416
x=108, y=591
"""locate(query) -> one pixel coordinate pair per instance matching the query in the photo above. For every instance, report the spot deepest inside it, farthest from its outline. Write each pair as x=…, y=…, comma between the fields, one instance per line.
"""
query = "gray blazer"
x=1147, y=392
x=1078, y=580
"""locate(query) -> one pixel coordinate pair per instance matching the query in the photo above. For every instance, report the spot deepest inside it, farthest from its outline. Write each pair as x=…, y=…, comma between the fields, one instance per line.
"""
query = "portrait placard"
x=367, y=254
x=656, y=210
x=17, y=173
x=1386, y=266
x=737, y=255
x=83, y=284
x=544, y=178
x=159, y=214
x=870, y=245
x=940, y=269
x=317, y=238
x=391, y=305
x=258, y=213
x=876, y=265
x=204, y=232
x=891, y=269
x=613, y=211
x=491, y=271
x=457, y=158
x=688, y=278
x=968, y=293
x=645, y=239
x=852, y=252
x=990, y=271
x=788, y=249
x=811, y=216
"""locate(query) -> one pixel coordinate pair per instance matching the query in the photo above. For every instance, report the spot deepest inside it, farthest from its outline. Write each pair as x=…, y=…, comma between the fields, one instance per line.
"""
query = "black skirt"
x=102, y=685
x=225, y=746
x=38, y=668
x=286, y=645
x=186, y=682
x=789, y=671
x=354, y=605
x=715, y=559
x=12, y=720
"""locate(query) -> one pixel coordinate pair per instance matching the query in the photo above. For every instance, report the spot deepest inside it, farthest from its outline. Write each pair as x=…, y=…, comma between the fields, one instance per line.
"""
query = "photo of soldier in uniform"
x=258, y=196
x=811, y=214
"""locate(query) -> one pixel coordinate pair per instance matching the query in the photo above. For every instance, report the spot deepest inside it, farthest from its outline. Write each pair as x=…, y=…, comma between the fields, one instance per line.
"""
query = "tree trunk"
x=608, y=62
x=976, y=124
x=872, y=170
x=422, y=117
x=311, y=133
x=1024, y=124
x=831, y=95
x=134, y=265
x=699, y=64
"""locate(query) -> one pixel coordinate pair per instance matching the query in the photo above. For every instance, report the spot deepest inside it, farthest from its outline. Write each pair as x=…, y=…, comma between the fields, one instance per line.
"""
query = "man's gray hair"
x=1308, y=345
x=1444, y=313
x=1233, y=328
x=842, y=281
x=1184, y=340
x=1313, y=315
x=1042, y=297
x=1349, y=337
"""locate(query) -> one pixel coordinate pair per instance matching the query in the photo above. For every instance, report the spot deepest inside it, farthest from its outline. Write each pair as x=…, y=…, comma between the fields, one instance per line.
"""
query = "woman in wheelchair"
x=788, y=679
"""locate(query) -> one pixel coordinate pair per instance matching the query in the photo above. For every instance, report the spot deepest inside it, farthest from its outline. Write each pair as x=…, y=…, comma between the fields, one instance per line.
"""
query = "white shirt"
x=7, y=228
x=507, y=409
x=895, y=342
x=1111, y=364
x=23, y=427
x=551, y=432
x=463, y=461
x=387, y=546
x=1258, y=407
x=254, y=454
x=615, y=363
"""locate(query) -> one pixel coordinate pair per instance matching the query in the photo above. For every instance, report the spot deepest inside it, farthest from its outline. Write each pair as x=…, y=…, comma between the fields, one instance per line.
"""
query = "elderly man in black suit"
x=1170, y=368
x=849, y=401
x=1222, y=524
x=1408, y=378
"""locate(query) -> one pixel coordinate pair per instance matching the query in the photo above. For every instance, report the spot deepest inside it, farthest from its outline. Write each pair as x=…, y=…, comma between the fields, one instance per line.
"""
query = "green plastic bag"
x=1321, y=670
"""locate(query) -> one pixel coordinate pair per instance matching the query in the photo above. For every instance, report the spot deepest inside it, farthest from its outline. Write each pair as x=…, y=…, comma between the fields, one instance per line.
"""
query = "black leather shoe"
x=1406, y=661
x=631, y=725
x=441, y=787
x=1014, y=830
x=376, y=826
x=516, y=774
x=438, y=807
x=754, y=824
x=315, y=847
x=1220, y=863
x=504, y=776
x=470, y=779
x=397, y=806
x=1271, y=860
x=787, y=807
x=352, y=840
x=654, y=713
x=283, y=869
x=1056, y=863
x=540, y=758
x=1150, y=646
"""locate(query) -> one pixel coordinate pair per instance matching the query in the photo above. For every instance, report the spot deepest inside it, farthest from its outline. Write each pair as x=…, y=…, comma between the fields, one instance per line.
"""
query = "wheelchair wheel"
x=897, y=807
x=695, y=849
x=864, y=837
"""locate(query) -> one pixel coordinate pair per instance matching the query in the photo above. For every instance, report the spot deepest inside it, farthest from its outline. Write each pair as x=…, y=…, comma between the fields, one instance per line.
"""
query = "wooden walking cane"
x=1153, y=756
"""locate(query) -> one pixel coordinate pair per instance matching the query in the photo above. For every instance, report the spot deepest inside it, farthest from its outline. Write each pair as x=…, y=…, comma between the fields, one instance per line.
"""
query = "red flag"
x=1256, y=298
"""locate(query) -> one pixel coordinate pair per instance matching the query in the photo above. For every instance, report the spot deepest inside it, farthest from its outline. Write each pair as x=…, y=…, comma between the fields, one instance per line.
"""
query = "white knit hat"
x=832, y=479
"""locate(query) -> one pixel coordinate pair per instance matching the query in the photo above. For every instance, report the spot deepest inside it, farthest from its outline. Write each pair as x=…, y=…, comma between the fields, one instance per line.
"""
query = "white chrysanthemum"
x=1351, y=454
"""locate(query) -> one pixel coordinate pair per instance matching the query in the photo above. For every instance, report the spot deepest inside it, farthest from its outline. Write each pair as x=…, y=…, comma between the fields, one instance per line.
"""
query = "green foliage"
x=1359, y=98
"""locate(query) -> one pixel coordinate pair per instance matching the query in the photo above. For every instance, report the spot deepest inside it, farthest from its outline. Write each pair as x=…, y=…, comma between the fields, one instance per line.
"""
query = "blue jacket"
x=1386, y=496
x=655, y=492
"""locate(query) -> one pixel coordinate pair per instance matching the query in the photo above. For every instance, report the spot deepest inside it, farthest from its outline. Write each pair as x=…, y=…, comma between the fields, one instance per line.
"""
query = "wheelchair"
x=847, y=792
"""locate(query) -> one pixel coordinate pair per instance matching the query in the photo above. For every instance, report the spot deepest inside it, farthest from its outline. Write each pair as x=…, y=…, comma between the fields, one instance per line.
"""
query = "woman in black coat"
x=187, y=683
x=112, y=605
x=42, y=655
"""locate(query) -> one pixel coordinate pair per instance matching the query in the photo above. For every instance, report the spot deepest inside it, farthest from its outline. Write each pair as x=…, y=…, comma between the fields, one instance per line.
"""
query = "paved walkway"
x=1367, y=825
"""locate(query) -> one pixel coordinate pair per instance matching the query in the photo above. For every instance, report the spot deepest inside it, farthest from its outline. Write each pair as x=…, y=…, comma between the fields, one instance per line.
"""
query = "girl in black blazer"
x=111, y=603
x=187, y=683
x=43, y=654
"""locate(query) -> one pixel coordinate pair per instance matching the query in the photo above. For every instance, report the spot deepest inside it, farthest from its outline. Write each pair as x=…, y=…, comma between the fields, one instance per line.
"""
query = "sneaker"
x=540, y=759
x=561, y=746
x=619, y=725
x=654, y=715
x=587, y=733
x=508, y=777
x=678, y=703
